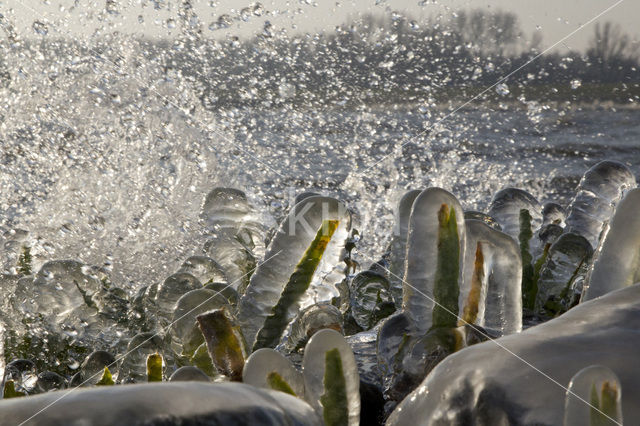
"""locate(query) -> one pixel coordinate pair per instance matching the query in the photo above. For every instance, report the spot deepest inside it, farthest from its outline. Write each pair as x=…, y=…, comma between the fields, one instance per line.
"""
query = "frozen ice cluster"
x=521, y=314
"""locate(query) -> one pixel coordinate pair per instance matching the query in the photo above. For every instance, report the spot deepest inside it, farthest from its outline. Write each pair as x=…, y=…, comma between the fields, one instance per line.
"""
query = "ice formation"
x=398, y=248
x=205, y=269
x=309, y=321
x=617, y=259
x=500, y=294
x=294, y=236
x=185, y=335
x=181, y=402
x=488, y=384
x=600, y=189
x=236, y=234
x=421, y=270
x=133, y=366
x=189, y=373
x=328, y=349
x=370, y=299
x=268, y=369
x=506, y=208
x=593, y=398
x=560, y=278
x=520, y=216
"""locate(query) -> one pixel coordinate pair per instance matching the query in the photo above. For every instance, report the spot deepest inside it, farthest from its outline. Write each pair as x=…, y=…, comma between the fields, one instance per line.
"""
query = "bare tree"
x=609, y=44
x=495, y=33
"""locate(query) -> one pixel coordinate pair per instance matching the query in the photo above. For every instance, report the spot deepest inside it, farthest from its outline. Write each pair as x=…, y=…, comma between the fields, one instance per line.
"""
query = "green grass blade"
x=606, y=402
x=10, y=390
x=446, y=288
x=299, y=282
x=202, y=360
x=276, y=382
x=224, y=343
x=529, y=286
x=154, y=368
x=334, y=400
x=106, y=379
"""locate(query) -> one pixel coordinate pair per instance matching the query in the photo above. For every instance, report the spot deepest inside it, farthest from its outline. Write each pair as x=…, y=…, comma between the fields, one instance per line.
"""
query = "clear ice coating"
x=265, y=368
x=486, y=381
x=171, y=290
x=391, y=334
x=553, y=213
x=506, y=206
x=133, y=367
x=185, y=335
x=548, y=234
x=291, y=241
x=230, y=252
x=189, y=373
x=178, y=402
x=61, y=294
x=309, y=321
x=493, y=258
x=227, y=211
x=617, y=260
x=483, y=217
x=235, y=234
x=398, y=247
x=93, y=366
x=364, y=349
x=561, y=275
x=23, y=373
x=49, y=381
x=597, y=194
x=593, y=398
x=313, y=367
x=520, y=216
x=205, y=269
x=422, y=254
x=370, y=299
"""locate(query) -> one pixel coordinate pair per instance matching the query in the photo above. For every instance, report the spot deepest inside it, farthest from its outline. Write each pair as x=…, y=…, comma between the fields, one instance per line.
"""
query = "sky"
x=553, y=19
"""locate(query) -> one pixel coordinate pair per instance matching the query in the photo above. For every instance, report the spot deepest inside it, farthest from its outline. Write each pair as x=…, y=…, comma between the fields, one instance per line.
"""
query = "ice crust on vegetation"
x=597, y=195
x=593, y=398
x=314, y=366
x=487, y=383
x=398, y=247
x=422, y=249
x=264, y=362
x=617, y=259
x=500, y=298
x=293, y=238
x=175, y=402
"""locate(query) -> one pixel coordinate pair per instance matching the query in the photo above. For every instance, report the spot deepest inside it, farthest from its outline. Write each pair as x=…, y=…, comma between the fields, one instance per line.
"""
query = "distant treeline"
x=393, y=59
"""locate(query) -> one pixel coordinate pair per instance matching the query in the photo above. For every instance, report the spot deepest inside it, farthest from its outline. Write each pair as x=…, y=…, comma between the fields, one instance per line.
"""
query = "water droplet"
x=258, y=9
x=286, y=90
x=40, y=28
x=575, y=83
x=171, y=23
x=111, y=7
x=502, y=89
x=245, y=14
